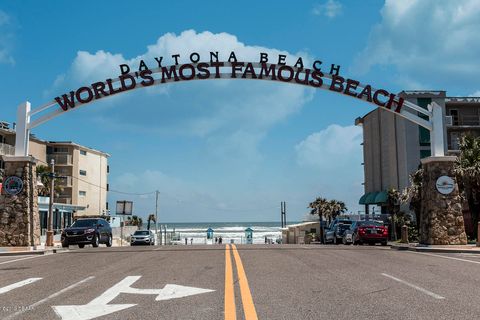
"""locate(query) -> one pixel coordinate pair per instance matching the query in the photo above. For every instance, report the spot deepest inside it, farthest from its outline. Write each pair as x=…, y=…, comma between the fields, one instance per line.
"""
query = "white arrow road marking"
x=18, y=284
x=100, y=307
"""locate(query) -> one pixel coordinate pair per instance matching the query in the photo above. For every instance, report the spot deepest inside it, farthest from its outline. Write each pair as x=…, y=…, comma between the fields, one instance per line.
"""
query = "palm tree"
x=467, y=170
x=134, y=221
x=43, y=173
x=319, y=207
x=393, y=198
x=336, y=207
x=413, y=195
x=151, y=217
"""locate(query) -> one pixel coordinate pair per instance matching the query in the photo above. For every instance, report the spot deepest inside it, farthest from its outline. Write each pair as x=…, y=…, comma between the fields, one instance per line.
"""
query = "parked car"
x=334, y=233
x=370, y=232
x=348, y=234
x=142, y=237
x=87, y=231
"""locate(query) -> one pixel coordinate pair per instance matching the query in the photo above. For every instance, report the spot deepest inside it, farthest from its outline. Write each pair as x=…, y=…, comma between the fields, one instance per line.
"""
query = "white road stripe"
x=56, y=294
x=29, y=257
x=431, y=294
x=445, y=257
x=18, y=284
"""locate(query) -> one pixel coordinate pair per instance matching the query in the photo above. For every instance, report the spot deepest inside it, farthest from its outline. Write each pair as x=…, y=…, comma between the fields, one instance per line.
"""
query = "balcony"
x=61, y=159
x=463, y=121
x=63, y=199
x=64, y=182
x=6, y=149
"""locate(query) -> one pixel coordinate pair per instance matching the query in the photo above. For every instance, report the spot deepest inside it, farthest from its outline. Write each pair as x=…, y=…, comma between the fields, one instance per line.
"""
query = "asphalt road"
x=246, y=282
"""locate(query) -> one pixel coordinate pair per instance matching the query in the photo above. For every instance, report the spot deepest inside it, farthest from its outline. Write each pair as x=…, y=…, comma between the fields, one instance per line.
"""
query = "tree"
x=151, y=217
x=413, y=195
x=393, y=198
x=43, y=173
x=134, y=221
x=336, y=207
x=467, y=171
x=319, y=207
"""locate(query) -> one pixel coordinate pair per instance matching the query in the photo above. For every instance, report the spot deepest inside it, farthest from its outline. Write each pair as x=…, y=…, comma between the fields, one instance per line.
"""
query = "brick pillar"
x=19, y=217
x=441, y=219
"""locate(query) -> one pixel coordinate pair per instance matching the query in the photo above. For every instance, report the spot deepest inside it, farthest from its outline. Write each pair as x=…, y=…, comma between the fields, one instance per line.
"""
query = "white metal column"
x=437, y=138
x=22, y=131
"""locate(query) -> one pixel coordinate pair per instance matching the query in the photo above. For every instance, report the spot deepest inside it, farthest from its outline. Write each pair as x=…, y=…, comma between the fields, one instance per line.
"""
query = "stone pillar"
x=441, y=219
x=19, y=217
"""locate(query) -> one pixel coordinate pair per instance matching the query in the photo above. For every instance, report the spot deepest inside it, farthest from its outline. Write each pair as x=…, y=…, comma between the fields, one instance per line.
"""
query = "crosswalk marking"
x=18, y=284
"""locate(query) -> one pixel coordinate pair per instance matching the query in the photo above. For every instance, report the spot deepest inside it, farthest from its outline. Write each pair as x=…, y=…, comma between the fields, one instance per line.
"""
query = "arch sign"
x=150, y=73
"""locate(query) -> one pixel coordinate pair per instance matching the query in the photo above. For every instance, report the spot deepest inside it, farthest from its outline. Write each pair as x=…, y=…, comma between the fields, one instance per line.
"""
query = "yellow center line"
x=247, y=300
x=230, y=310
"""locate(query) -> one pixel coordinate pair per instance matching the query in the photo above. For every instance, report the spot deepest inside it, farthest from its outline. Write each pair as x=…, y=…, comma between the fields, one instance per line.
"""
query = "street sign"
x=445, y=185
x=125, y=207
x=99, y=306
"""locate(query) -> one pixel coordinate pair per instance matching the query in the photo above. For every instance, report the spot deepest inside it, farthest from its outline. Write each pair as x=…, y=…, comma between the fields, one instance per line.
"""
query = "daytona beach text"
x=231, y=69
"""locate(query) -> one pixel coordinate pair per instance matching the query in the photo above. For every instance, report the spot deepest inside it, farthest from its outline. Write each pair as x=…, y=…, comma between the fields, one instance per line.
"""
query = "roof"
x=71, y=143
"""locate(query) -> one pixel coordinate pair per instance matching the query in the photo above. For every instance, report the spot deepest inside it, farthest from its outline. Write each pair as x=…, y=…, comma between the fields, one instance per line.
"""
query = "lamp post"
x=49, y=241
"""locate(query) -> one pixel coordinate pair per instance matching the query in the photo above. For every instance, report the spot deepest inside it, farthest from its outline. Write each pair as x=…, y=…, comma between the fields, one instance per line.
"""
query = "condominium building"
x=83, y=172
x=393, y=146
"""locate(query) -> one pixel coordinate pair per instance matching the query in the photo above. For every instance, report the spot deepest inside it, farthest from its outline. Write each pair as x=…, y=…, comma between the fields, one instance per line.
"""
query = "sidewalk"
x=469, y=248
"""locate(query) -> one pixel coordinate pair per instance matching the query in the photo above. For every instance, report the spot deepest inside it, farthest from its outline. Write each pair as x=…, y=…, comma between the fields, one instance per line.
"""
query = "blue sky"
x=231, y=150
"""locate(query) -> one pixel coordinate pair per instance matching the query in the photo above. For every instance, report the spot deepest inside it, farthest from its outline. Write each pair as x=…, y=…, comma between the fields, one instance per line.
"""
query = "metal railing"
x=64, y=200
x=6, y=149
x=64, y=181
x=463, y=120
x=65, y=159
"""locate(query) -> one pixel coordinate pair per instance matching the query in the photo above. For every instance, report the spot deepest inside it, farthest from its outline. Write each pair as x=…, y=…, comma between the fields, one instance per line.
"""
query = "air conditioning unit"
x=449, y=120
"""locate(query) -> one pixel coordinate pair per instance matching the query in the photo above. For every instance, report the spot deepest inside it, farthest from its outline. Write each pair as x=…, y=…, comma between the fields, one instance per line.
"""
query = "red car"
x=370, y=232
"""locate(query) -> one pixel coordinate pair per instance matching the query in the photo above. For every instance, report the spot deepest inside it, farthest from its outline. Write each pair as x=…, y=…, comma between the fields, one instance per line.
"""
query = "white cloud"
x=330, y=9
x=332, y=157
x=331, y=148
x=430, y=41
x=6, y=37
x=232, y=115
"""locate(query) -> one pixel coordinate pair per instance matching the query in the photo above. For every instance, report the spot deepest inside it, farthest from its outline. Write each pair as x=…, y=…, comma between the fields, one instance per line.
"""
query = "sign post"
x=123, y=208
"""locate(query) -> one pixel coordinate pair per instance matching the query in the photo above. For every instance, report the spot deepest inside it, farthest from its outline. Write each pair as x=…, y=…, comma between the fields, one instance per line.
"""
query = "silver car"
x=142, y=237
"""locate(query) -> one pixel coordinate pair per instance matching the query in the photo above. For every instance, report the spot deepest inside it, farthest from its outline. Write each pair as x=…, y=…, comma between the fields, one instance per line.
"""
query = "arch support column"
x=22, y=131
x=441, y=218
x=437, y=137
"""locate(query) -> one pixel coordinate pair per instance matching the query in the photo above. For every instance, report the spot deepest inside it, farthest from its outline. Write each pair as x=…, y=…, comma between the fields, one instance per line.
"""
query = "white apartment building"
x=84, y=170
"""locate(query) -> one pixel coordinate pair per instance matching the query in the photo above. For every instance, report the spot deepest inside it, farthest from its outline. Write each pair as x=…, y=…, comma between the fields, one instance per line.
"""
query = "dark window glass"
x=85, y=223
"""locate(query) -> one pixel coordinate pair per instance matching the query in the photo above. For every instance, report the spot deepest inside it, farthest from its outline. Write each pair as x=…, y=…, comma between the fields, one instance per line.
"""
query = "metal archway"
x=48, y=111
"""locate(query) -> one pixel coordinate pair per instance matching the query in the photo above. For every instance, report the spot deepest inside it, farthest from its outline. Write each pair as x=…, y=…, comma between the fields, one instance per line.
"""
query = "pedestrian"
x=220, y=240
x=216, y=240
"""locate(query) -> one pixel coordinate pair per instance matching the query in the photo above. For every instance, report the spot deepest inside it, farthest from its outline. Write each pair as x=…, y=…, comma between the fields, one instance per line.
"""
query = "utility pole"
x=49, y=241
x=320, y=215
x=156, y=217
x=283, y=212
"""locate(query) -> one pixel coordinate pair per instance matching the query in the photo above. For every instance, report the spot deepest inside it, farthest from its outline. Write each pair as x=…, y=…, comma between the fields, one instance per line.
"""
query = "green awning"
x=382, y=197
x=362, y=198
x=370, y=199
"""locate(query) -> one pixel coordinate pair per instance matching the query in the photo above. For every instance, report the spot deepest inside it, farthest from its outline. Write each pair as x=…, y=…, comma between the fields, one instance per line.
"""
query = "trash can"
x=210, y=233
x=249, y=235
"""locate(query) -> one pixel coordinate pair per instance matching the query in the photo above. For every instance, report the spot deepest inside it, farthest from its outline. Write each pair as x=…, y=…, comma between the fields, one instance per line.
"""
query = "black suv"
x=87, y=231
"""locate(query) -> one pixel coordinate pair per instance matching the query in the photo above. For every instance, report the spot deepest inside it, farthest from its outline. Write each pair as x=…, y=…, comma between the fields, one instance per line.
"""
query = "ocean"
x=196, y=233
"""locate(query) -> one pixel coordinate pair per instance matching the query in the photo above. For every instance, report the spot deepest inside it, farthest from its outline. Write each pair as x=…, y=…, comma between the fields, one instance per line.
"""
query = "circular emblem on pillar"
x=445, y=185
x=13, y=185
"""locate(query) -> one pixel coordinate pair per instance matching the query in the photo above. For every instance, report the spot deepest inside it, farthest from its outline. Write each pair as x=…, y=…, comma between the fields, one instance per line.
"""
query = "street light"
x=49, y=241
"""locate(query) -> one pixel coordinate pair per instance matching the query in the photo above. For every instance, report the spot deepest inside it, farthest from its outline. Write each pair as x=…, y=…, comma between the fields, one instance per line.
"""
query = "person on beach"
x=191, y=240
x=186, y=241
x=220, y=240
x=216, y=240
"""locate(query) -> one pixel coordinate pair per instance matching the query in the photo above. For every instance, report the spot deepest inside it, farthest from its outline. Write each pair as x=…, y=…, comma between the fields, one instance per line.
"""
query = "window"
x=83, y=152
x=108, y=187
x=424, y=134
x=82, y=193
x=83, y=172
x=60, y=150
x=425, y=153
x=454, y=141
x=454, y=114
x=108, y=169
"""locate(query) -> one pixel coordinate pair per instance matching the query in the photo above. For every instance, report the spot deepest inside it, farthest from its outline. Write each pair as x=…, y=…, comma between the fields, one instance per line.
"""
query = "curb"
x=435, y=250
x=33, y=252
